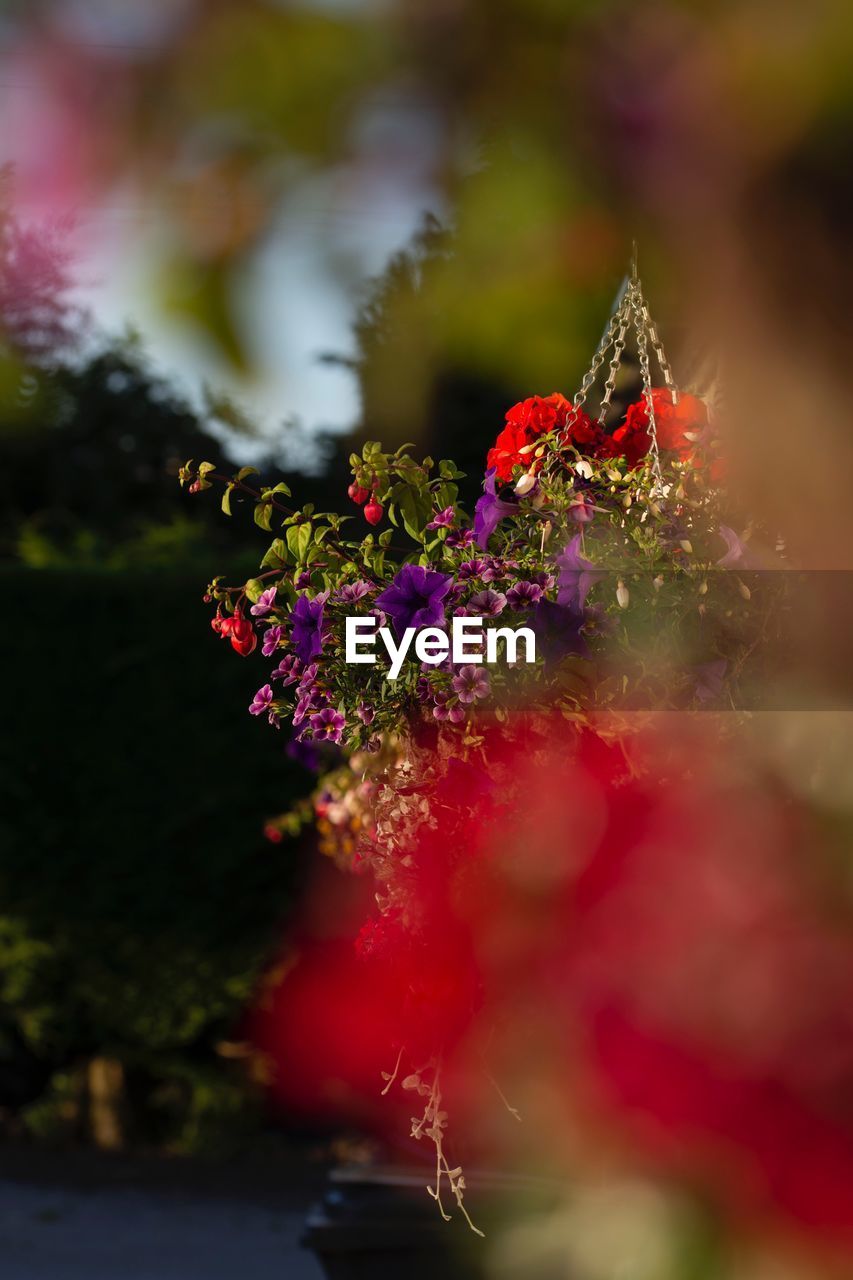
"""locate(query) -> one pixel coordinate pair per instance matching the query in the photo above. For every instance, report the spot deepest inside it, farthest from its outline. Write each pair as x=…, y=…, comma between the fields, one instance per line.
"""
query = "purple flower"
x=442, y=519
x=471, y=683
x=582, y=509
x=352, y=592
x=261, y=701
x=558, y=630
x=471, y=569
x=736, y=556
x=303, y=580
x=490, y=510
x=461, y=538
x=266, y=601
x=304, y=753
x=365, y=713
x=306, y=626
x=487, y=604
x=272, y=639
x=709, y=680
x=327, y=725
x=498, y=568
x=288, y=670
x=576, y=576
x=308, y=676
x=524, y=595
x=442, y=711
x=416, y=597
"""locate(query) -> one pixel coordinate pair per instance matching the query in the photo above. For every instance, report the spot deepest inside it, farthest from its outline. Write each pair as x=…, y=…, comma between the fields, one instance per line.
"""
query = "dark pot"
x=380, y=1224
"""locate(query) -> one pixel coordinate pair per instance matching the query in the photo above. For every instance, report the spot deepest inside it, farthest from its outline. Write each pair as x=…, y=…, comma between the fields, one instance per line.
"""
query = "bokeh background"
x=261, y=232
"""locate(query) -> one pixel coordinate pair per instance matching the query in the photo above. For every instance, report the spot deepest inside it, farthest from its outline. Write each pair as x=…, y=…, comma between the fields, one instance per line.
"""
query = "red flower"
x=532, y=418
x=632, y=439
x=242, y=635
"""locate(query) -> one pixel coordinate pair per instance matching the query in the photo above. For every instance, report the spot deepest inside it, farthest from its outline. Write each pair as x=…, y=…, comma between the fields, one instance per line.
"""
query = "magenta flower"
x=261, y=701
x=352, y=592
x=471, y=683
x=470, y=569
x=306, y=626
x=460, y=538
x=416, y=597
x=444, y=710
x=266, y=601
x=365, y=713
x=524, y=595
x=327, y=725
x=272, y=639
x=288, y=670
x=582, y=509
x=487, y=604
x=442, y=519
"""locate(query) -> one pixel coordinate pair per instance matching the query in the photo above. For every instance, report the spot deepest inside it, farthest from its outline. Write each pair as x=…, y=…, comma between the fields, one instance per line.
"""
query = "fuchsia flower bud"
x=374, y=511
x=242, y=635
x=358, y=494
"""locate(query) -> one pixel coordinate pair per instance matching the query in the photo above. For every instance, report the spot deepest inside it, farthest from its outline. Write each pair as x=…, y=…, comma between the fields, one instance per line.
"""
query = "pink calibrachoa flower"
x=487, y=604
x=523, y=595
x=271, y=641
x=441, y=711
x=265, y=602
x=442, y=519
x=471, y=683
x=289, y=670
x=327, y=725
x=365, y=713
x=261, y=701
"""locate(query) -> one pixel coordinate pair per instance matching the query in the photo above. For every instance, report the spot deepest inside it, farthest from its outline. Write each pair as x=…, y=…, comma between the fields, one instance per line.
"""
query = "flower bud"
x=358, y=494
x=525, y=483
x=623, y=596
x=242, y=634
x=373, y=512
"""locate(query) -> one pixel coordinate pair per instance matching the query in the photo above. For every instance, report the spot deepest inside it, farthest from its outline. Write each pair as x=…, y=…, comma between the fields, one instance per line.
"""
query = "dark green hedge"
x=138, y=897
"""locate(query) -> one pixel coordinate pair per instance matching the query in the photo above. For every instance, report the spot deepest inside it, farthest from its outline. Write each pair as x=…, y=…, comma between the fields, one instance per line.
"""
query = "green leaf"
x=298, y=540
x=253, y=589
x=263, y=515
x=276, y=555
x=246, y=471
x=204, y=468
x=281, y=487
x=226, y=500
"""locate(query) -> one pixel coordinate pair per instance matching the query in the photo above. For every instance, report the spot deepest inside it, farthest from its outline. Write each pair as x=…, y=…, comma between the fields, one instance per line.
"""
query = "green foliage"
x=138, y=898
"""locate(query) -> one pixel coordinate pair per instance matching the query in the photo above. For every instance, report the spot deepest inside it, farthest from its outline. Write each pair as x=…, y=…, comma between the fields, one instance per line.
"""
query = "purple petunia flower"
x=271, y=641
x=442, y=519
x=261, y=701
x=289, y=670
x=576, y=576
x=327, y=725
x=558, y=630
x=490, y=510
x=487, y=604
x=306, y=626
x=471, y=569
x=416, y=597
x=737, y=556
x=471, y=683
x=266, y=601
x=352, y=592
x=524, y=595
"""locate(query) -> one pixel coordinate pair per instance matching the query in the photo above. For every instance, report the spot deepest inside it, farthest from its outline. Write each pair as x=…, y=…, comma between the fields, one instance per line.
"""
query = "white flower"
x=623, y=596
x=525, y=483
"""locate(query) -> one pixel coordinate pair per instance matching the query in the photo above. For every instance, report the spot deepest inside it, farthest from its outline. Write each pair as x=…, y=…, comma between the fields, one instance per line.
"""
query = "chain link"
x=623, y=315
x=640, y=313
x=603, y=347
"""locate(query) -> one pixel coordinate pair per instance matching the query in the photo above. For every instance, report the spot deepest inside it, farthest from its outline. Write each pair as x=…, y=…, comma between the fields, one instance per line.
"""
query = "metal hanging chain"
x=623, y=315
x=638, y=307
x=652, y=331
x=603, y=347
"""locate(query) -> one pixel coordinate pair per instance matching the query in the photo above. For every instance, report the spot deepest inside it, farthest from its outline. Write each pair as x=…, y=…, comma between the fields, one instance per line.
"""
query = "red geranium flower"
x=671, y=421
x=532, y=418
